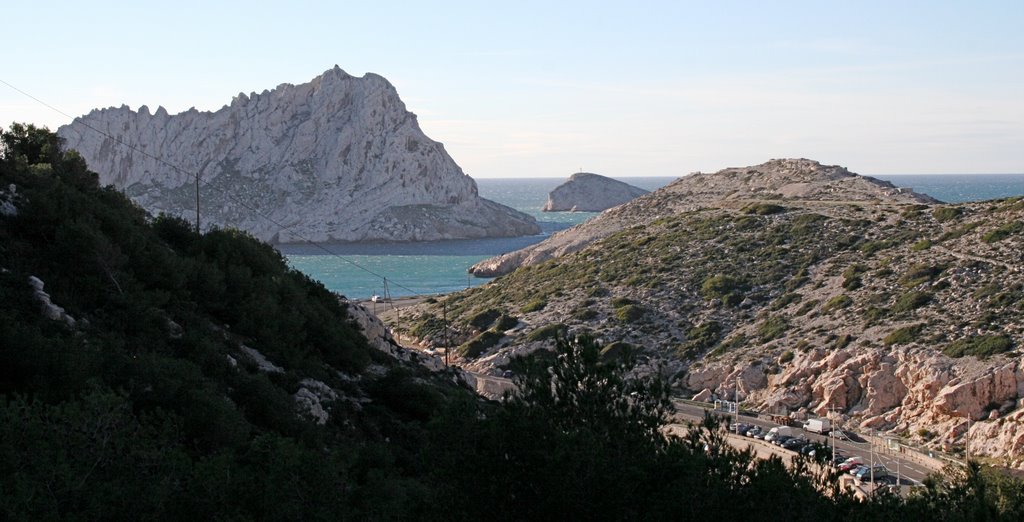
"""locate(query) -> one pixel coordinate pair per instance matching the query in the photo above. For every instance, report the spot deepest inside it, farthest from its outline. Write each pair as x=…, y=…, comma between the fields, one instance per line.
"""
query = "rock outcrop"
x=801, y=288
x=587, y=192
x=783, y=180
x=336, y=159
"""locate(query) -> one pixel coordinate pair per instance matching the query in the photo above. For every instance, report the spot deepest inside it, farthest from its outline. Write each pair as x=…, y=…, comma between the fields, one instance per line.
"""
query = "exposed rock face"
x=336, y=159
x=783, y=180
x=823, y=292
x=586, y=192
x=47, y=307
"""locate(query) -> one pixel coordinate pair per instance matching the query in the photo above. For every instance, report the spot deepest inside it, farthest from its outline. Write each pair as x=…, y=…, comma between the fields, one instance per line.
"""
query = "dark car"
x=740, y=428
x=795, y=444
x=817, y=450
x=754, y=431
x=781, y=439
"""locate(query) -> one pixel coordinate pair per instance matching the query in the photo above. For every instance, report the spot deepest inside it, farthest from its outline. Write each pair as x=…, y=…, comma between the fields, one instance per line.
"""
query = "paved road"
x=906, y=467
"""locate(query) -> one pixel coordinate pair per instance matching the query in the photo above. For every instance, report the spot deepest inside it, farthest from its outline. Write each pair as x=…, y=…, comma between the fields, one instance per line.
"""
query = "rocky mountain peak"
x=336, y=159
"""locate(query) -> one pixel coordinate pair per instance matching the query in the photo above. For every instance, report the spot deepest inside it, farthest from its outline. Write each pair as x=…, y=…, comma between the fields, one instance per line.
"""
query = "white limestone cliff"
x=336, y=159
x=587, y=192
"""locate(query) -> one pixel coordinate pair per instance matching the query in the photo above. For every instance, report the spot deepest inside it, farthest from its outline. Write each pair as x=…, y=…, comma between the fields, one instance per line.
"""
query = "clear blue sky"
x=545, y=88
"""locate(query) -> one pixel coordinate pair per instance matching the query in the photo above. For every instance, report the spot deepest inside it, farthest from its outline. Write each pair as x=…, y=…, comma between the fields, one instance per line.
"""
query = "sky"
x=545, y=89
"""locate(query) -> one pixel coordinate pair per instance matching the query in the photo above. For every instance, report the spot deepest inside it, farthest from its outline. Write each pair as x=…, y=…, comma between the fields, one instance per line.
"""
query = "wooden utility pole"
x=444, y=308
x=197, y=203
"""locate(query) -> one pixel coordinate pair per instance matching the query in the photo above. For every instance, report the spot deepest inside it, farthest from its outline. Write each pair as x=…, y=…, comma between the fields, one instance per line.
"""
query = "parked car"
x=865, y=473
x=754, y=431
x=779, y=440
x=850, y=463
x=740, y=428
x=795, y=444
x=817, y=451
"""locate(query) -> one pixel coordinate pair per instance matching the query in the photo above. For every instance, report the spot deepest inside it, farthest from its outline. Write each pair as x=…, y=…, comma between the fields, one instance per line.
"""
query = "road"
x=907, y=466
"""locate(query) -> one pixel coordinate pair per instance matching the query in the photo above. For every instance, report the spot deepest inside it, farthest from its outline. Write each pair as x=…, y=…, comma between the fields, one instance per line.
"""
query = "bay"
x=360, y=270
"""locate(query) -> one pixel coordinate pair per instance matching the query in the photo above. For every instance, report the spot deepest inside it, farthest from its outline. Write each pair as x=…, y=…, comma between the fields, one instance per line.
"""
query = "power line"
x=206, y=185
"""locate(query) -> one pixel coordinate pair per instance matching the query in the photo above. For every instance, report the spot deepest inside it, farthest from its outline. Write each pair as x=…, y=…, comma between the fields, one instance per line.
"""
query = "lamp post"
x=967, y=441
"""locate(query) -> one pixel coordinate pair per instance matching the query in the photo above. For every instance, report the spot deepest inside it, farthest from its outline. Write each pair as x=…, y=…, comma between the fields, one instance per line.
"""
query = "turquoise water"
x=358, y=271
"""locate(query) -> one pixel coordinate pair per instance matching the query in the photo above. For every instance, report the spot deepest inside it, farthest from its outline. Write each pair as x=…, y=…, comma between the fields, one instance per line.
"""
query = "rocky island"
x=800, y=287
x=336, y=159
x=587, y=192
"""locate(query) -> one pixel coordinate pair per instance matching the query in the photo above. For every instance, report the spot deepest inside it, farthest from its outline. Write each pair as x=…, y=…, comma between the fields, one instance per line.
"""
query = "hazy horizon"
x=541, y=90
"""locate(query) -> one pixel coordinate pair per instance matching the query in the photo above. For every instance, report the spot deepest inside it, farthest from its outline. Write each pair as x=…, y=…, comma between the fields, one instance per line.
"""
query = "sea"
x=363, y=270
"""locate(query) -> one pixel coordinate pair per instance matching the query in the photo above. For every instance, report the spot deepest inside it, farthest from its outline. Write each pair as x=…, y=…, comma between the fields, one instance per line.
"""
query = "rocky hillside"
x=807, y=286
x=586, y=192
x=783, y=180
x=336, y=159
x=149, y=370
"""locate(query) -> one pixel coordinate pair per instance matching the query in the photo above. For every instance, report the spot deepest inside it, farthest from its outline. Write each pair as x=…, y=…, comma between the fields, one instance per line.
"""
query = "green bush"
x=763, y=209
x=1003, y=232
x=786, y=357
x=806, y=307
x=535, y=305
x=943, y=214
x=548, y=331
x=727, y=288
x=903, y=335
x=837, y=303
x=427, y=326
x=911, y=300
x=772, y=328
x=961, y=231
x=505, y=323
x=478, y=346
x=873, y=314
x=619, y=302
x=843, y=341
x=617, y=351
x=980, y=346
x=585, y=314
x=485, y=319
x=630, y=313
x=920, y=273
x=870, y=247
x=699, y=338
x=852, y=283
x=923, y=244
x=786, y=300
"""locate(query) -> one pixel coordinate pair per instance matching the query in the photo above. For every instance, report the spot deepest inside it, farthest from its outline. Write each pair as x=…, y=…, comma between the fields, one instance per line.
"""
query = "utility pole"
x=197, y=202
x=736, y=401
x=967, y=442
x=871, y=441
x=832, y=432
x=444, y=308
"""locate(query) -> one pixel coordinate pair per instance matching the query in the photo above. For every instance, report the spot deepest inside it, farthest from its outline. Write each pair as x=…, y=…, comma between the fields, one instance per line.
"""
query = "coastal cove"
x=356, y=270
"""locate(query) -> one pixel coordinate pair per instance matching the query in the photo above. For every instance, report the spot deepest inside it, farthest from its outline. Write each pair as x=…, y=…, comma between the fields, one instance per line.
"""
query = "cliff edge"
x=336, y=159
